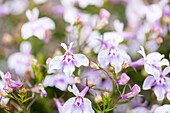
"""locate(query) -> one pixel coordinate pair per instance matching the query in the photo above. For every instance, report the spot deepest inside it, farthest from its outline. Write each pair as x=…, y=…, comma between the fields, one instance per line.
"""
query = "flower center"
x=113, y=52
x=68, y=57
x=78, y=101
x=161, y=80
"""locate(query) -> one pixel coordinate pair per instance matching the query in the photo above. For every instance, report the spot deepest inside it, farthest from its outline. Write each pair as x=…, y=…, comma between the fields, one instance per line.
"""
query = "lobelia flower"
x=163, y=109
x=123, y=80
x=20, y=62
x=68, y=61
x=153, y=62
x=59, y=80
x=36, y=27
x=8, y=79
x=161, y=83
x=3, y=90
x=78, y=104
x=113, y=55
x=135, y=90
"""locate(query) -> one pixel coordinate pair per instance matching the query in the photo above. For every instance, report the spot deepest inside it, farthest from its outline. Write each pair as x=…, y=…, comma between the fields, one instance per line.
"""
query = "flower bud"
x=124, y=79
x=94, y=65
x=125, y=65
x=106, y=94
x=77, y=80
x=104, y=13
x=159, y=40
x=48, y=61
x=9, y=89
x=24, y=90
x=98, y=99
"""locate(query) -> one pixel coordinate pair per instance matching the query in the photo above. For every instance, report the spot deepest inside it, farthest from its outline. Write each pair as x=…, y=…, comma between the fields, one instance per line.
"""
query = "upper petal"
x=166, y=71
x=74, y=90
x=148, y=82
x=81, y=59
x=47, y=23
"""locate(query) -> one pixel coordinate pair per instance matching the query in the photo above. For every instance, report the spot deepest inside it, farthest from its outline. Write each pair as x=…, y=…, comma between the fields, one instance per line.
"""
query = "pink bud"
x=98, y=99
x=124, y=79
x=94, y=65
x=104, y=14
x=158, y=30
x=48, y=61
x=135, y=89
x=8, y=76
x=159, y=40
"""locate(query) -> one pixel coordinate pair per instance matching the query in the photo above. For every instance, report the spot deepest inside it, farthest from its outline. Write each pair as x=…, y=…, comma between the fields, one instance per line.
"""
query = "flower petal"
x=103, y=58
x=68, y=69
x=159, y=92
x=68, y=105
x=74, y=90
x=81, y=60
x=55, y=63
x=87, y=106
x=164, y=62
x=47, y=23
x=166, y=71
x=26, y=31
x=148, y=82
x=142, y=52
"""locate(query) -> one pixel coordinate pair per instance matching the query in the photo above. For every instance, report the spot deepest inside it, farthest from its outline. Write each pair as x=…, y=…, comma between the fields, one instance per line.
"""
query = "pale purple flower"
x=59, y=80
x=163, y=109
x=161, y=83
x=153, y=13
x=36, y=26
x=68, y=61
x=16, y=7
x=123, y=80
x=113, y=55
x=78, y=104
x=4, y=10
x=135, y=90
x=153, y=62
x=3, y=88
x=20, y=62
x=7, y=79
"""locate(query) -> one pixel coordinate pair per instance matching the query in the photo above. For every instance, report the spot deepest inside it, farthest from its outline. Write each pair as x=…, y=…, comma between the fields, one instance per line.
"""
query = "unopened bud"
x=77, y=80
x=159, y=40
x=24, y=90
x=98, y=99
x=106, y=94
x=111, y=68
x=104, y=13
x=7, y=38
x=158, y=30
x=9, y=89
x=94, y=65
x=34, y=61
x=48, y=61
x=125, y=65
